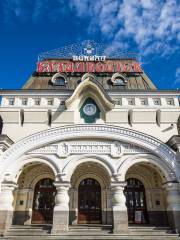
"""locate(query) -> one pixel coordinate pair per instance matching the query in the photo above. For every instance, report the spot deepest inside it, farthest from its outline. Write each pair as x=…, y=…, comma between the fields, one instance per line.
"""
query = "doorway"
x=89, y=202
x=44, y=201
x=136, y=201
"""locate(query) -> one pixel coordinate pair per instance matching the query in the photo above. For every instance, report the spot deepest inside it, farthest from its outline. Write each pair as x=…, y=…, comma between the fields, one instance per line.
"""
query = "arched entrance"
x=89, y=201
x=136, y=201
x=44, y=200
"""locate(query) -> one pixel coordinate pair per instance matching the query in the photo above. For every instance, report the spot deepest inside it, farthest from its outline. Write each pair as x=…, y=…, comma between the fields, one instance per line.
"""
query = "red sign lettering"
x=90, y=67
x=137, y=67
x=68, y=66
x=99, y=67
x=109, y=67
x=79, y=67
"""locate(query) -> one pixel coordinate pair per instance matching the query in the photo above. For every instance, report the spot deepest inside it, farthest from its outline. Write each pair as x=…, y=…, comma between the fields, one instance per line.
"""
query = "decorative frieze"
x=115, y=149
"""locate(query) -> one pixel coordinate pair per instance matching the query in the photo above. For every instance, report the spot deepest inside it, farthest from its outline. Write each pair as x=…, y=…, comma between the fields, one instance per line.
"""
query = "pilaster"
x=73, y=210
x=23, y=210
x=173, y=207
x=6, y=205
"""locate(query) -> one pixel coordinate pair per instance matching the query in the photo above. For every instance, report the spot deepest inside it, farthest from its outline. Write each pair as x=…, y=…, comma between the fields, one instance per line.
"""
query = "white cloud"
x=152, y=26
x=147, y=26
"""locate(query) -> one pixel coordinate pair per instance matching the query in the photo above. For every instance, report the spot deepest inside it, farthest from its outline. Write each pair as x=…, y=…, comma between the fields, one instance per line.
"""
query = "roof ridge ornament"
x=88, y=49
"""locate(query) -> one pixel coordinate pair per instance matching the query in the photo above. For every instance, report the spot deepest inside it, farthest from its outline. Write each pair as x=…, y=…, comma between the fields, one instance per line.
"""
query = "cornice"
x=69, y=90
x=62, y=92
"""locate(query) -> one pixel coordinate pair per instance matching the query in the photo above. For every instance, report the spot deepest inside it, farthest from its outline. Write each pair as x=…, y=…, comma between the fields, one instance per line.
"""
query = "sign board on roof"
x=85, y=57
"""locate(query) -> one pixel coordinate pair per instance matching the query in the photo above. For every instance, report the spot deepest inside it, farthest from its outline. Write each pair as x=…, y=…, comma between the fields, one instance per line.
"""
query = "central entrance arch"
x=89, y=202
x=44, y=201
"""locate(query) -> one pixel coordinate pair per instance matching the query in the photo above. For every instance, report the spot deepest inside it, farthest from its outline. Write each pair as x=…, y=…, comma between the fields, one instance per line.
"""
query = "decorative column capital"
x=62, y=185
x=61, y=177
x=172, y=186
x=118, y=186
x=8, y=186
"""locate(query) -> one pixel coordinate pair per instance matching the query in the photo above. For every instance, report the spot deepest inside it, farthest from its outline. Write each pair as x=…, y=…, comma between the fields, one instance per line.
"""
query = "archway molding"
x=155, y=162
x=141, y=178
x=76, y=161
x=165, y=155
x=18, y=166
x=99, y=179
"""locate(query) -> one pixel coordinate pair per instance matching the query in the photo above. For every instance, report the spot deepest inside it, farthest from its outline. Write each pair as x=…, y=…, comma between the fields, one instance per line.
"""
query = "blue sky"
x=149, y=27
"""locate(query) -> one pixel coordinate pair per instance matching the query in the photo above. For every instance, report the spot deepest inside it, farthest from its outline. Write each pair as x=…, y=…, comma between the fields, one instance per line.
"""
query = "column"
x=120, y=217
x=61, y=208
x=6, y=205
x=173, y=205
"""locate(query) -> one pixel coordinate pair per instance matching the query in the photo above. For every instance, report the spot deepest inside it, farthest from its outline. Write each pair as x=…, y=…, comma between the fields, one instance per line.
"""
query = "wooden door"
x=44, y=200
x=136, y=201
x=89, y=202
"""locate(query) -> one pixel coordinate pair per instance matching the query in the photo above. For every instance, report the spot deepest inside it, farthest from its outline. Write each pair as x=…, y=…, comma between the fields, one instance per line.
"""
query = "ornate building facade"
x=89, y=140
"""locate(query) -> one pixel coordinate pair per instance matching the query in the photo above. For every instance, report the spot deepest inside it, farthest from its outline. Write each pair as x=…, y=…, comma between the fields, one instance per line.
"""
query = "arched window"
x=118, y=80
x=60, y=81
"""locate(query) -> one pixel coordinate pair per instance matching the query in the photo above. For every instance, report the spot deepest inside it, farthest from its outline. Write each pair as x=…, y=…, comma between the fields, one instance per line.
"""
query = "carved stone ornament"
x=115, y=149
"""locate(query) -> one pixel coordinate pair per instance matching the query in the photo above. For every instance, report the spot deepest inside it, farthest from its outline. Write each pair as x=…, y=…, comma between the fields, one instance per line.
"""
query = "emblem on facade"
x=63, y=150
x=116, y=149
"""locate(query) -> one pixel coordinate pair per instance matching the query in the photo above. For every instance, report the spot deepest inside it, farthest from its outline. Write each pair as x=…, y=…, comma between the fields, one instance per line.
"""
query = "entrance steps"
x=28, y=230
x=89, y=232
x=90, y=228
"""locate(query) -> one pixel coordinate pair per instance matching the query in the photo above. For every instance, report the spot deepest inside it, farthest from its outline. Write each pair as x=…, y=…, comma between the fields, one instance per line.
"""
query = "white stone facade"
x=127, y=141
